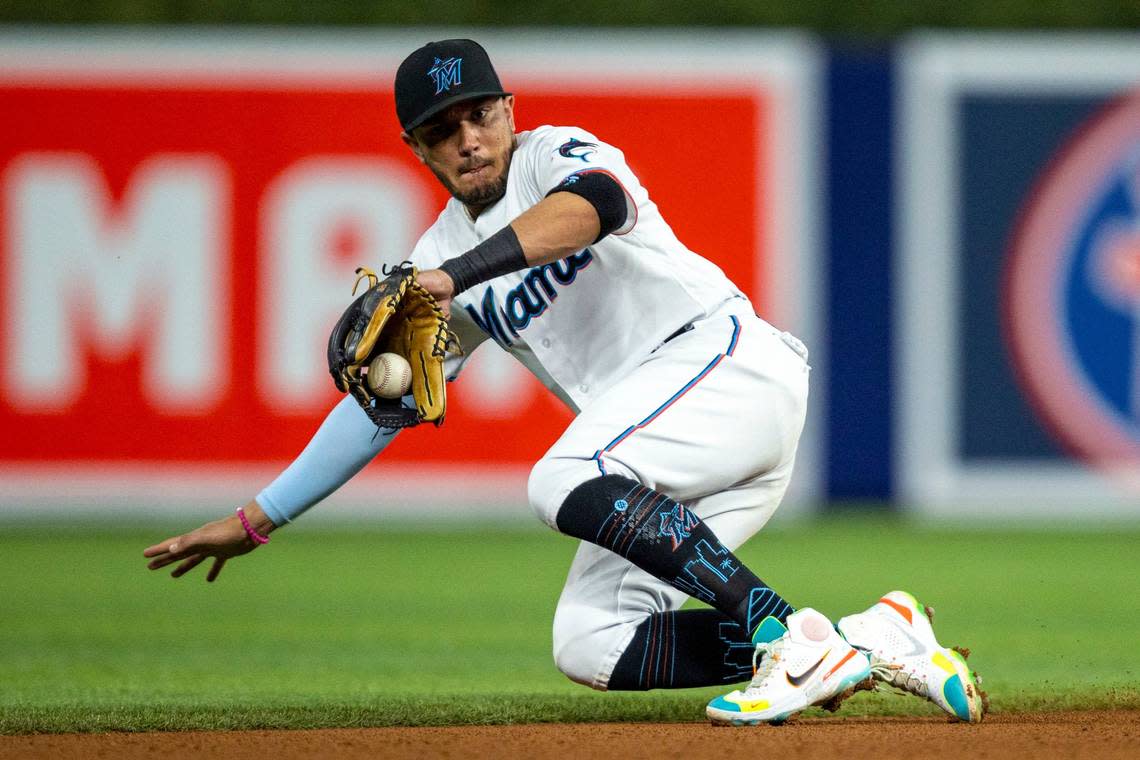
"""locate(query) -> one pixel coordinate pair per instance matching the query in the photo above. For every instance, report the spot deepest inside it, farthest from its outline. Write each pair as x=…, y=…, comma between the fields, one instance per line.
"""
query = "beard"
x=479, y=197
x=486, y=195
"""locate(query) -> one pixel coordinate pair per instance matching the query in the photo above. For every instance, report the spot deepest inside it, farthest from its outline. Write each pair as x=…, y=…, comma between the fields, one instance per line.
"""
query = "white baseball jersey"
x=581, y=323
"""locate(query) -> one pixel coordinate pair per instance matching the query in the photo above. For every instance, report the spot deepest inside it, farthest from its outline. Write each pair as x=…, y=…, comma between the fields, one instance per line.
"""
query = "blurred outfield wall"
x=1018, y=296
x=865, y=18
x=182, y=212
x=182, y=216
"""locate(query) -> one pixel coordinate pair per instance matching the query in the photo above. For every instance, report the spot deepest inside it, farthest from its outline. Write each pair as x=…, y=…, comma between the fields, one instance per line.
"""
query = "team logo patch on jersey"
x=1072, y=292
x=575, y=148
x=446, y=74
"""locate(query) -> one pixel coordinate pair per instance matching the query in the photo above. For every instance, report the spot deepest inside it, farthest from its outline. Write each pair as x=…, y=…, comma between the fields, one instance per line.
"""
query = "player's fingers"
x=162, y=561
x=188, y=565
x=215, y=569
x=180, y=549
x=161, y=547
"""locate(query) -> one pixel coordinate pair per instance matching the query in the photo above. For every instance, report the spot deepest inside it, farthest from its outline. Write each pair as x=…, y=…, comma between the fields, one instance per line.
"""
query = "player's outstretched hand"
x=439, y=284
x=220, y=539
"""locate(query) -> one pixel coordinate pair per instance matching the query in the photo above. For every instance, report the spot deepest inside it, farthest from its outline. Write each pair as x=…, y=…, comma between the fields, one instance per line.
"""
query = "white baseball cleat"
x=810, y=664
x=897, y=635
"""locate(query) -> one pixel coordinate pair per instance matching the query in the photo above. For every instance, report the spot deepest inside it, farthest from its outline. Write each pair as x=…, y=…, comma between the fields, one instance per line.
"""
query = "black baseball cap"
x=439, y=74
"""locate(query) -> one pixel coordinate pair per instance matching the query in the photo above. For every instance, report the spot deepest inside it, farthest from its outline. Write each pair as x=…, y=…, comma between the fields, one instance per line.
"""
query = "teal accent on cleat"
x=769, y=629
x=955, y=694
x=720, y=703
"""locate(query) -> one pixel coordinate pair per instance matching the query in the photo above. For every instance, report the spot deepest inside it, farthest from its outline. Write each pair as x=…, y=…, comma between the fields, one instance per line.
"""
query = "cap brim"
x=448, y=102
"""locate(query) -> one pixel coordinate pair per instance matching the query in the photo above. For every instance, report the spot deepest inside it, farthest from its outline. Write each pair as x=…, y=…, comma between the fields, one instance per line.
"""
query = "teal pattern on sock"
x=670, y=542
x=684, y=649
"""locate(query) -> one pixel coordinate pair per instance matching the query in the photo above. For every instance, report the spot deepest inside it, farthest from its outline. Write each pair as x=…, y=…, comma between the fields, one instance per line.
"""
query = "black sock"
x=679, y=650
x=671, y=543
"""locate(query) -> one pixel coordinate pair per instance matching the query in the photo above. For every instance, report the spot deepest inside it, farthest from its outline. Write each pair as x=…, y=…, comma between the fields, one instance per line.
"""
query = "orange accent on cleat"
x=898, y=608
x=839, y=664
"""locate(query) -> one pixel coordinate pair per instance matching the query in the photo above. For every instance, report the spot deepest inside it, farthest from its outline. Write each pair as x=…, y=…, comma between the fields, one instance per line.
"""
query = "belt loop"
x=795, y=344
x=681, y=331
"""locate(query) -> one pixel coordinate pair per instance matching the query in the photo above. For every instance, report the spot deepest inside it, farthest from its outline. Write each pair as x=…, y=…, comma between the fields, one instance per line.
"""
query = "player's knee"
x=551, y=481
x=579, y=654
x=578, y=663
x=592, y=503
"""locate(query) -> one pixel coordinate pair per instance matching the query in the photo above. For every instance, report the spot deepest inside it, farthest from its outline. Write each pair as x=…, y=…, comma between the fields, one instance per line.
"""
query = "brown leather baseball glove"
x=397, y=315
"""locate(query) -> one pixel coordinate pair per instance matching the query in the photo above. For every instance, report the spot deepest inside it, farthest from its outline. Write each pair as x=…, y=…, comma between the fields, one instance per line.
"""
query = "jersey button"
x=584, y=388
x=546, y=342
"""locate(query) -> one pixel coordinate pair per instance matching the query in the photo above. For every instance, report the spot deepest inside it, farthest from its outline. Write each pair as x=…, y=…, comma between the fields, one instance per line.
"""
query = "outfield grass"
x=404, y=626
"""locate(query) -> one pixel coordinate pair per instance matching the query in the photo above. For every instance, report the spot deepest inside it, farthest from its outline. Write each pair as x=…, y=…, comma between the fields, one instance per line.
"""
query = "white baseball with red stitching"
x=389, y=375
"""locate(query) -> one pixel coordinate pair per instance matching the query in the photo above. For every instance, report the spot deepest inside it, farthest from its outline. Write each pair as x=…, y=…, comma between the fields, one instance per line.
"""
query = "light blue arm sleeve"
x=345, y=442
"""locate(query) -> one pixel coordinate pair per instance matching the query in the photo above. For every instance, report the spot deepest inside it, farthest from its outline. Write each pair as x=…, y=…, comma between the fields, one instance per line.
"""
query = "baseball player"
x=689, y=408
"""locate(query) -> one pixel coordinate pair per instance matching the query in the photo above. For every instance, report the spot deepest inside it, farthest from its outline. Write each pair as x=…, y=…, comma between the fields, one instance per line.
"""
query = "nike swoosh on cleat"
x=918, y=646
x=798, y=680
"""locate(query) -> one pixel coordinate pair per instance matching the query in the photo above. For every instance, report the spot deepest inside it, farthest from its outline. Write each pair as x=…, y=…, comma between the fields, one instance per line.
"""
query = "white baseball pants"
x=712, y=419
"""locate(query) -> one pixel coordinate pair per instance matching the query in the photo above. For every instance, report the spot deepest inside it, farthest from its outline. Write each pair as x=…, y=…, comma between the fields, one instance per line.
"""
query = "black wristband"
x=497, y=255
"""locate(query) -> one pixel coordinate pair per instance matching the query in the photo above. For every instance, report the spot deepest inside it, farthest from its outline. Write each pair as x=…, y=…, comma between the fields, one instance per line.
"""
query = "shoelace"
x=901, y=679
x=764, y=660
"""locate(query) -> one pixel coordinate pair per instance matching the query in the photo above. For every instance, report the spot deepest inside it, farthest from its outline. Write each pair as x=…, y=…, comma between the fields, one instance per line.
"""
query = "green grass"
x=391, y=625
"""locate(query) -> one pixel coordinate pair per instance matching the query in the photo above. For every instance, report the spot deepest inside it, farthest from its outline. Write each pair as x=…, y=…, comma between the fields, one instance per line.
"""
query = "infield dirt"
x=1108, y=734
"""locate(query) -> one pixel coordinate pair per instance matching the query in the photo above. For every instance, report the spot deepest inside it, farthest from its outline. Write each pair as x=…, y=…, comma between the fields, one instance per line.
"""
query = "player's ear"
x=414, y=144
x=509, y=105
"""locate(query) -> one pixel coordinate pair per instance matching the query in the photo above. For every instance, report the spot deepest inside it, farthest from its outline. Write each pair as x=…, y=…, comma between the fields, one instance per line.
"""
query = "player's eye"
x=434, y=134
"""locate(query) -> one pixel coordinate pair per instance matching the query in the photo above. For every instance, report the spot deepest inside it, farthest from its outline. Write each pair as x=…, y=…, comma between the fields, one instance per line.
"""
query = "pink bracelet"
x=249, y=531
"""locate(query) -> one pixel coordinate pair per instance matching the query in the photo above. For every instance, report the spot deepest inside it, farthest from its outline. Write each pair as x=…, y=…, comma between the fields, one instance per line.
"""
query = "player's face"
x=468, y=147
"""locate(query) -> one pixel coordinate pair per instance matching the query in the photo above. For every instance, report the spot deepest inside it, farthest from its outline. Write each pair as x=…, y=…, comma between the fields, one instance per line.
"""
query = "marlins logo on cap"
x=440, y=74
x=445, y=74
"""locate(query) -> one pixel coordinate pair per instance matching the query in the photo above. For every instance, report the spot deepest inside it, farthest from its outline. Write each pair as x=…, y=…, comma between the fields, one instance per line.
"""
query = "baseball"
x=389, y=375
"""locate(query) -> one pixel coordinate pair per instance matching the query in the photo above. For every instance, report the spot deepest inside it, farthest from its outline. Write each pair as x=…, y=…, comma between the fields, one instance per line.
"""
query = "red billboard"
x=177, y=240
